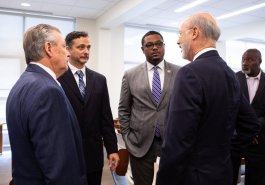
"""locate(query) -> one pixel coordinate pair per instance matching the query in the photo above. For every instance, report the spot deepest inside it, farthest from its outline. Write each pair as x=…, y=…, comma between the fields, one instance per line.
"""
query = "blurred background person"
x=43, y=130
x=87, y=91
x=144, y=97
x=252, y=80
x=205, y=108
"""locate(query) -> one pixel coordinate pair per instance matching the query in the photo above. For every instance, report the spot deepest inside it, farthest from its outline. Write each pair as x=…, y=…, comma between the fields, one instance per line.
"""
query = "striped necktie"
x=156, y=91
x=156, y=85
x=82, y=85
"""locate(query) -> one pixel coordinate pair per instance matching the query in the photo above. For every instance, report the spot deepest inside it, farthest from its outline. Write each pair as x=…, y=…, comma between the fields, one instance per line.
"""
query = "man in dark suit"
x=43, y=130
x=141, y=113
x=204, y=108
x=89, y=97
x=252, y=81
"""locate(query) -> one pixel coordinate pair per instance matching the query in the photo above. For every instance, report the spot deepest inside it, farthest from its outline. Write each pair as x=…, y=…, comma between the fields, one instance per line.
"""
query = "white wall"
x=89, y=26
x=106, y=56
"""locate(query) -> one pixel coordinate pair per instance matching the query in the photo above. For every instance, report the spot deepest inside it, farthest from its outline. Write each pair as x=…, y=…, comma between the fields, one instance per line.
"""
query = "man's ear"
x=195, y=32
x=48, y=49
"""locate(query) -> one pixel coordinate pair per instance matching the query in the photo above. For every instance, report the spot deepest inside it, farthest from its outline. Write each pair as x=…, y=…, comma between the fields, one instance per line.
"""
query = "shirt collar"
x=202, y=51
x=74, y=69
x=45, y=68
x=150, y=66
x=48, y=70
x=256, y=77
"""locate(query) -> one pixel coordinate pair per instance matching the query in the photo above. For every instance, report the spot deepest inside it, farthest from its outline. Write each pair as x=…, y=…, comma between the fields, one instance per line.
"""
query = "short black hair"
x=256, y=51
x=74, y=35
x=151, y=33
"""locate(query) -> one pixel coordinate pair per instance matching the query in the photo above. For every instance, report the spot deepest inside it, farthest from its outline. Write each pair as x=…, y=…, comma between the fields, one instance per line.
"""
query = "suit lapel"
x=243, y=82
x=144, y=74
x=71, y=83
x=260, y=90
x=90, y=82
x=167, y=80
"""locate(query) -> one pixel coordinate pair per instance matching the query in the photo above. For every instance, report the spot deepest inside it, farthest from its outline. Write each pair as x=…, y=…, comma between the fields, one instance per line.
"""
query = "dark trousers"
x=236, y=161
x=254, y=171
x=94, y=178
x=143, y=168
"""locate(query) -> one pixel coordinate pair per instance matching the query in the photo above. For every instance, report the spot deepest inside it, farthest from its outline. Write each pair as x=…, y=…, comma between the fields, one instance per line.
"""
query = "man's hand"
x=255, y=140
x=113, y=161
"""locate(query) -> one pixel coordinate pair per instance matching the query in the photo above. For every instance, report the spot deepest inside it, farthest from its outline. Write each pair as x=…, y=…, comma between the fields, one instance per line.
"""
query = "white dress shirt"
x=253, y=83
x=74, y=69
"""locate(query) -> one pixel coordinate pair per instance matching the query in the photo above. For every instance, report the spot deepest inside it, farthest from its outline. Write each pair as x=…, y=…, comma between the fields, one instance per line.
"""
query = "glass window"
x=65, y=26
x=9, y=73
x=133, y=54
x=235, y=50
x=12, y=60
x=11, y=35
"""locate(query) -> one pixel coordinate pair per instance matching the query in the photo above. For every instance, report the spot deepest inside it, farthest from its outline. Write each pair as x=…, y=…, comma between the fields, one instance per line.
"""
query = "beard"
x=246, y=71
x=186, y=47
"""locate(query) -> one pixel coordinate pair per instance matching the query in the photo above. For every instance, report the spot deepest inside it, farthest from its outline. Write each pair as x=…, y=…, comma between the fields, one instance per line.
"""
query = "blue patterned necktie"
x=156, y=91
x=82, y=85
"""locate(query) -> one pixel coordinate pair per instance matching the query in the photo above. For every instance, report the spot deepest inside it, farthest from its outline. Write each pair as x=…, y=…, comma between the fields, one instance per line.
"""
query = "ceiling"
x=151, y=13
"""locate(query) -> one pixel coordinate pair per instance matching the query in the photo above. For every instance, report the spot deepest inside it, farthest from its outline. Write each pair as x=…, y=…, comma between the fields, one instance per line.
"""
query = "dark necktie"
x=82, y=85
x=156, y=91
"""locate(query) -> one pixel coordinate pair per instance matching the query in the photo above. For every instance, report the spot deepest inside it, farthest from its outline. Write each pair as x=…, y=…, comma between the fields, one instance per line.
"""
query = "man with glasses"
x=143, y=102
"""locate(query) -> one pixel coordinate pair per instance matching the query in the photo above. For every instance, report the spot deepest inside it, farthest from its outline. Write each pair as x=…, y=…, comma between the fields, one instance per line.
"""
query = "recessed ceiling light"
x=244, y=10
x=25, y=4
x=190, y=5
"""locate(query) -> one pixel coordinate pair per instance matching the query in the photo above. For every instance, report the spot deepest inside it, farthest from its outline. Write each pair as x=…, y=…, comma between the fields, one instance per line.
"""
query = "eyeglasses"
x=151, y=45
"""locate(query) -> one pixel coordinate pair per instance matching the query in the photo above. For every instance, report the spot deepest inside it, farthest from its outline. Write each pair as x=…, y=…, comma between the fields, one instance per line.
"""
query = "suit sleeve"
x=185, y=108
x=247, y=126
x=125, y=107
x=52, y=137
x=109, y=135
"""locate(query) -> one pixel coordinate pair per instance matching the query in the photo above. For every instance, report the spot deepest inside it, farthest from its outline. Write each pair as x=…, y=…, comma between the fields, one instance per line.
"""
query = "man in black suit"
x=205, y=104
x=88, y=93
x=252, y=81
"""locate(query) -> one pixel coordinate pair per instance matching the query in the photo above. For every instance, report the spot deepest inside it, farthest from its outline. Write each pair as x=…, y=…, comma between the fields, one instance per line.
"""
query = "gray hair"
x=208, y=27
x=35, y=39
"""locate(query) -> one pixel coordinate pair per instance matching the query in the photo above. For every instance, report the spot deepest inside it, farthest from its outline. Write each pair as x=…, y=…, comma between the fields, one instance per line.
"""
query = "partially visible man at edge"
x=252, y=80
x=44, y=135
x=205, y=108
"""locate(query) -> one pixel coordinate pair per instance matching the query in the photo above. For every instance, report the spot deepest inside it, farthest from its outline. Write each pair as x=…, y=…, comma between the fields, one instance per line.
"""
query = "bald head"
x=206, y=24
x=197, y=32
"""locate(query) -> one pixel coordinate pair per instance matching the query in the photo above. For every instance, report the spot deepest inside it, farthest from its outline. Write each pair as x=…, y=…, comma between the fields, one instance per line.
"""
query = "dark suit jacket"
x=204, y=106
x=44, y=134
x=94, y=116
x=258, y=105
